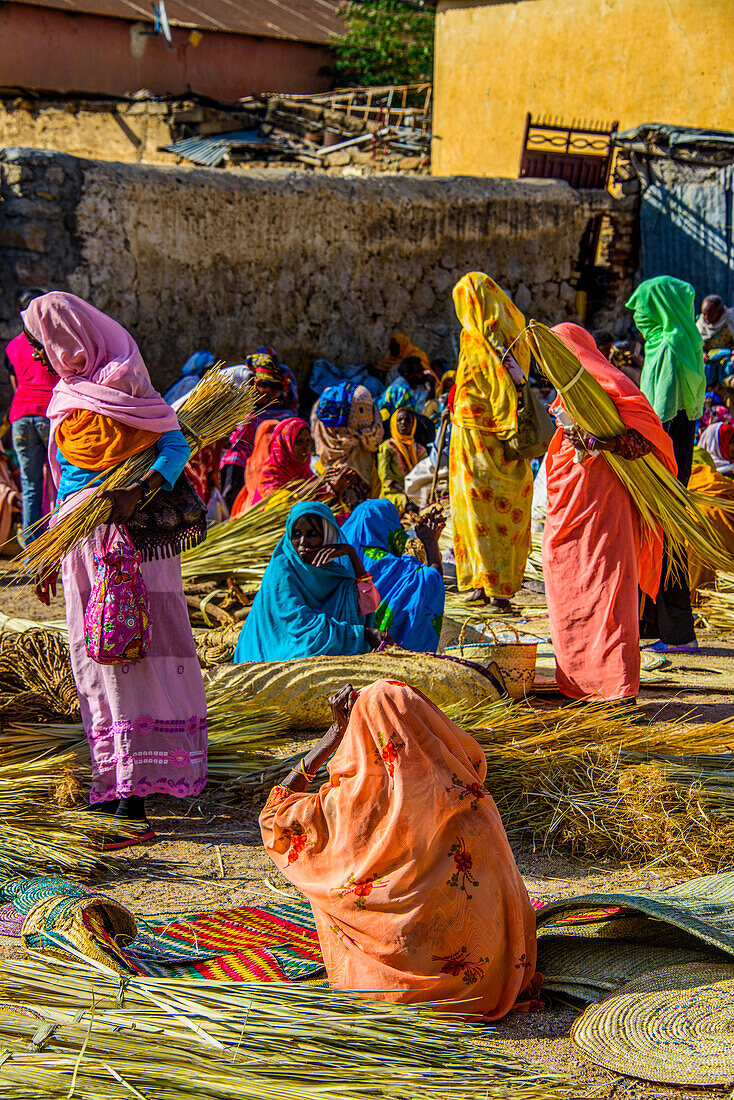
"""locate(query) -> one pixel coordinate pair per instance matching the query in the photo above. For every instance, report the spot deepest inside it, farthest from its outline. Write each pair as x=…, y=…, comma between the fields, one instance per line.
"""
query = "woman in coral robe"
x=595, y=552
x=404, y=859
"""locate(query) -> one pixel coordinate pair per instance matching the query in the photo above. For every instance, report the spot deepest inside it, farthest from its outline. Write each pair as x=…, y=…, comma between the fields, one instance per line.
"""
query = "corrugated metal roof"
x=212, y=150
x=299, y=20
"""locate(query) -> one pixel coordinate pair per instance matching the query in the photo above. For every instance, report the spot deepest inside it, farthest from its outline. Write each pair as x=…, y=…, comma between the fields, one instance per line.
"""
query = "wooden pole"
x=439, y=453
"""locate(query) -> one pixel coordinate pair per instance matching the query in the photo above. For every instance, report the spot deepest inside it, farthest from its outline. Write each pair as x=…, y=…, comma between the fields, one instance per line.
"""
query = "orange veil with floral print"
x=406, y=864
x=491, y=495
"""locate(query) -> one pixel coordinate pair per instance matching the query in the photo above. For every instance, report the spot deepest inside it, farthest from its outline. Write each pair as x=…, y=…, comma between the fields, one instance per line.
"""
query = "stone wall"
x=314, y=265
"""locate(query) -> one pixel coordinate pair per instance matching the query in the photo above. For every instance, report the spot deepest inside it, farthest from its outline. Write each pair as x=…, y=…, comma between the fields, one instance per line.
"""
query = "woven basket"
x=515, y=660
x=57, y=921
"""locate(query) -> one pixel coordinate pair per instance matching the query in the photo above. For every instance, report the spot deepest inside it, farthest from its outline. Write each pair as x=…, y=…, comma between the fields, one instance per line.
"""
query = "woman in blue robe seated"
x=315, y=597
x=412, y=595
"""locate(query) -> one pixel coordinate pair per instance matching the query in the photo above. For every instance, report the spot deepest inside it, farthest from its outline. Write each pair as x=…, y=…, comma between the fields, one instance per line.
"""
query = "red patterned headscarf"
x=282, y=465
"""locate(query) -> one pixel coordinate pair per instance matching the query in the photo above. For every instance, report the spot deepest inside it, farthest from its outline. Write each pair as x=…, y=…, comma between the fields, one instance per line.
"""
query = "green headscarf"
x=673, y=377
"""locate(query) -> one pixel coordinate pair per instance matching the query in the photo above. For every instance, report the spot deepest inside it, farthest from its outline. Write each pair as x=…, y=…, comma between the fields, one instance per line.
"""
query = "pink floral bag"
x=117, y=618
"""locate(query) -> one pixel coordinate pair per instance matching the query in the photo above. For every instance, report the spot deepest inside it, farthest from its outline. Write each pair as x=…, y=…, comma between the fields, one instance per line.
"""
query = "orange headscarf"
x=95, y=442
x=636, y=412
x=255, y=465
x=406, y=864
x=406, y=347
x=404, y=441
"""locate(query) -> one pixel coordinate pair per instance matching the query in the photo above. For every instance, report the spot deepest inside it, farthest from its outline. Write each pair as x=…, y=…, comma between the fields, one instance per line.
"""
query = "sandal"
x=118, y=840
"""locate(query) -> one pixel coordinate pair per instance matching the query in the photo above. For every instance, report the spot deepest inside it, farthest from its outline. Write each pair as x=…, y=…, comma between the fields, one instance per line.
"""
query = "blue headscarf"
x=303, y=610
x=413, y=595
x=334, y=405
x=191, y=372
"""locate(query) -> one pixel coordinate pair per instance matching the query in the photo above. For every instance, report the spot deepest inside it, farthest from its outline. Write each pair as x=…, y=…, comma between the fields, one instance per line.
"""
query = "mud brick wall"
x=315, y=265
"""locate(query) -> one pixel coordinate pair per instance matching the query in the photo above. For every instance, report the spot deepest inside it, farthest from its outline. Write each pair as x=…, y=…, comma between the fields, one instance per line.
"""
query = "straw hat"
x=673, y=1026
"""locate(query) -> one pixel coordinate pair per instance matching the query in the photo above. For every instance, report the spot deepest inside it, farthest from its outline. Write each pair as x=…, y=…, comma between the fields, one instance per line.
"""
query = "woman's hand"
x=325, y=555
x=341, y=708
x=431, y=525
x=46, y=580
x=375, y=638
x=123, y=502
x=428, y=531
x=341, y=704
x=585, y=441
x=340, y=478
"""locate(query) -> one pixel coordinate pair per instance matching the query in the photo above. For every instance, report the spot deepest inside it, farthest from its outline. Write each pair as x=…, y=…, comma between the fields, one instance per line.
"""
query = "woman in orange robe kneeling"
x=404, y=859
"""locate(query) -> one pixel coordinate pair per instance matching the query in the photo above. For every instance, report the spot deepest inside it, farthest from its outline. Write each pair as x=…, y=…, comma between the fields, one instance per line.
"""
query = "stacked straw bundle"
x=717, y=604
x=38, y=837
x=212, y=411
x=38, y=661
x=180, y=1040
x=661, y=500
x=242, y=547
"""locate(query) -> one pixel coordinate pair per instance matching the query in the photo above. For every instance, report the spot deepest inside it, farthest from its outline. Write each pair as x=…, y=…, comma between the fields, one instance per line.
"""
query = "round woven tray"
x=515, y=660
x=673, y=1026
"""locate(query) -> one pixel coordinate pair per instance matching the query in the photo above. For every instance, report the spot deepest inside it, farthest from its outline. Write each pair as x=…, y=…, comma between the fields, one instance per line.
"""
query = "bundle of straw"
x=241, y=735
x=212, y=411
x=663, y=503
x=242, y=547
x=717, y=604
x=180, y=1040
x=38, y=660
x=36, y=836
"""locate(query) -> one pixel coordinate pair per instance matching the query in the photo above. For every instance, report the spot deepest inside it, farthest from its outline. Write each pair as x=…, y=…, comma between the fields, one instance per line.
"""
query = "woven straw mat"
x=702, y=908
x=673, y=1026
x=589, y=970
x=300, y=689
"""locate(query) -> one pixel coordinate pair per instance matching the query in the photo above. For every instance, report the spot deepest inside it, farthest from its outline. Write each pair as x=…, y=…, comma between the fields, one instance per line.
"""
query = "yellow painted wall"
x=633, y=60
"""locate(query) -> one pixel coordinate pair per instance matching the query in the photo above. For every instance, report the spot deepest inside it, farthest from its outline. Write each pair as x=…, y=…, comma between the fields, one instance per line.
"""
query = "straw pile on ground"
x=36, y=662
x=586, y=781
x=39, y=837
x=242, y=547
x=660, y=498
x=180, y=1040
x=717, y=604
x=213, y=409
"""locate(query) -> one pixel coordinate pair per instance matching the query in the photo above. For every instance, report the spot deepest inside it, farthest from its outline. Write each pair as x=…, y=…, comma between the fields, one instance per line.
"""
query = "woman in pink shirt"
x=33, y=383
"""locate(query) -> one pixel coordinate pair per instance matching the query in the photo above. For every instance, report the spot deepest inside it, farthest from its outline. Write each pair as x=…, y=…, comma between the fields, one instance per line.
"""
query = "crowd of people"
x=409, y=913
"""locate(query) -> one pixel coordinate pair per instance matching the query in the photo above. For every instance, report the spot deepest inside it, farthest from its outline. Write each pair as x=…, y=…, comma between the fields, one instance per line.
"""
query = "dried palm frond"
x=242, y=547
x=241, y=735
x=717, y=604
x=180, y=1040
x=38, y=660
x=21, y=739
x=213, y=409
x=38, y=837
x=11, y=622
x=662, y=501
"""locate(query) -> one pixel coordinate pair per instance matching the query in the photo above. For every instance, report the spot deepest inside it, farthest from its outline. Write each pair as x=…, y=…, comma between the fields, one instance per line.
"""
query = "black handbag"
x=535, y=426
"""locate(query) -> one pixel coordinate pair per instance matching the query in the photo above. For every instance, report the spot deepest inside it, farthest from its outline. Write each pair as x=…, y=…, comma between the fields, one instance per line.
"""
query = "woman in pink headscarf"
x=595, y=552
x=145, y=721
x=288, y=460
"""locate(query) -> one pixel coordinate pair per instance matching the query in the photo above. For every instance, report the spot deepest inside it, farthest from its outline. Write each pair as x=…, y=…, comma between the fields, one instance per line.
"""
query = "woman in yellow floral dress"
x=491, y=495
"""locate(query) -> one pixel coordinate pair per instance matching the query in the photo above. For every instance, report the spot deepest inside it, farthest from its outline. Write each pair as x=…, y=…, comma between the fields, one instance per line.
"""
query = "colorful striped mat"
x=273, y=943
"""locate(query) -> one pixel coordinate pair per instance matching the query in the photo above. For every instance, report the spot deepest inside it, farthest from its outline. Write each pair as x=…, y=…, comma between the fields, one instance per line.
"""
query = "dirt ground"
x=209, y=856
